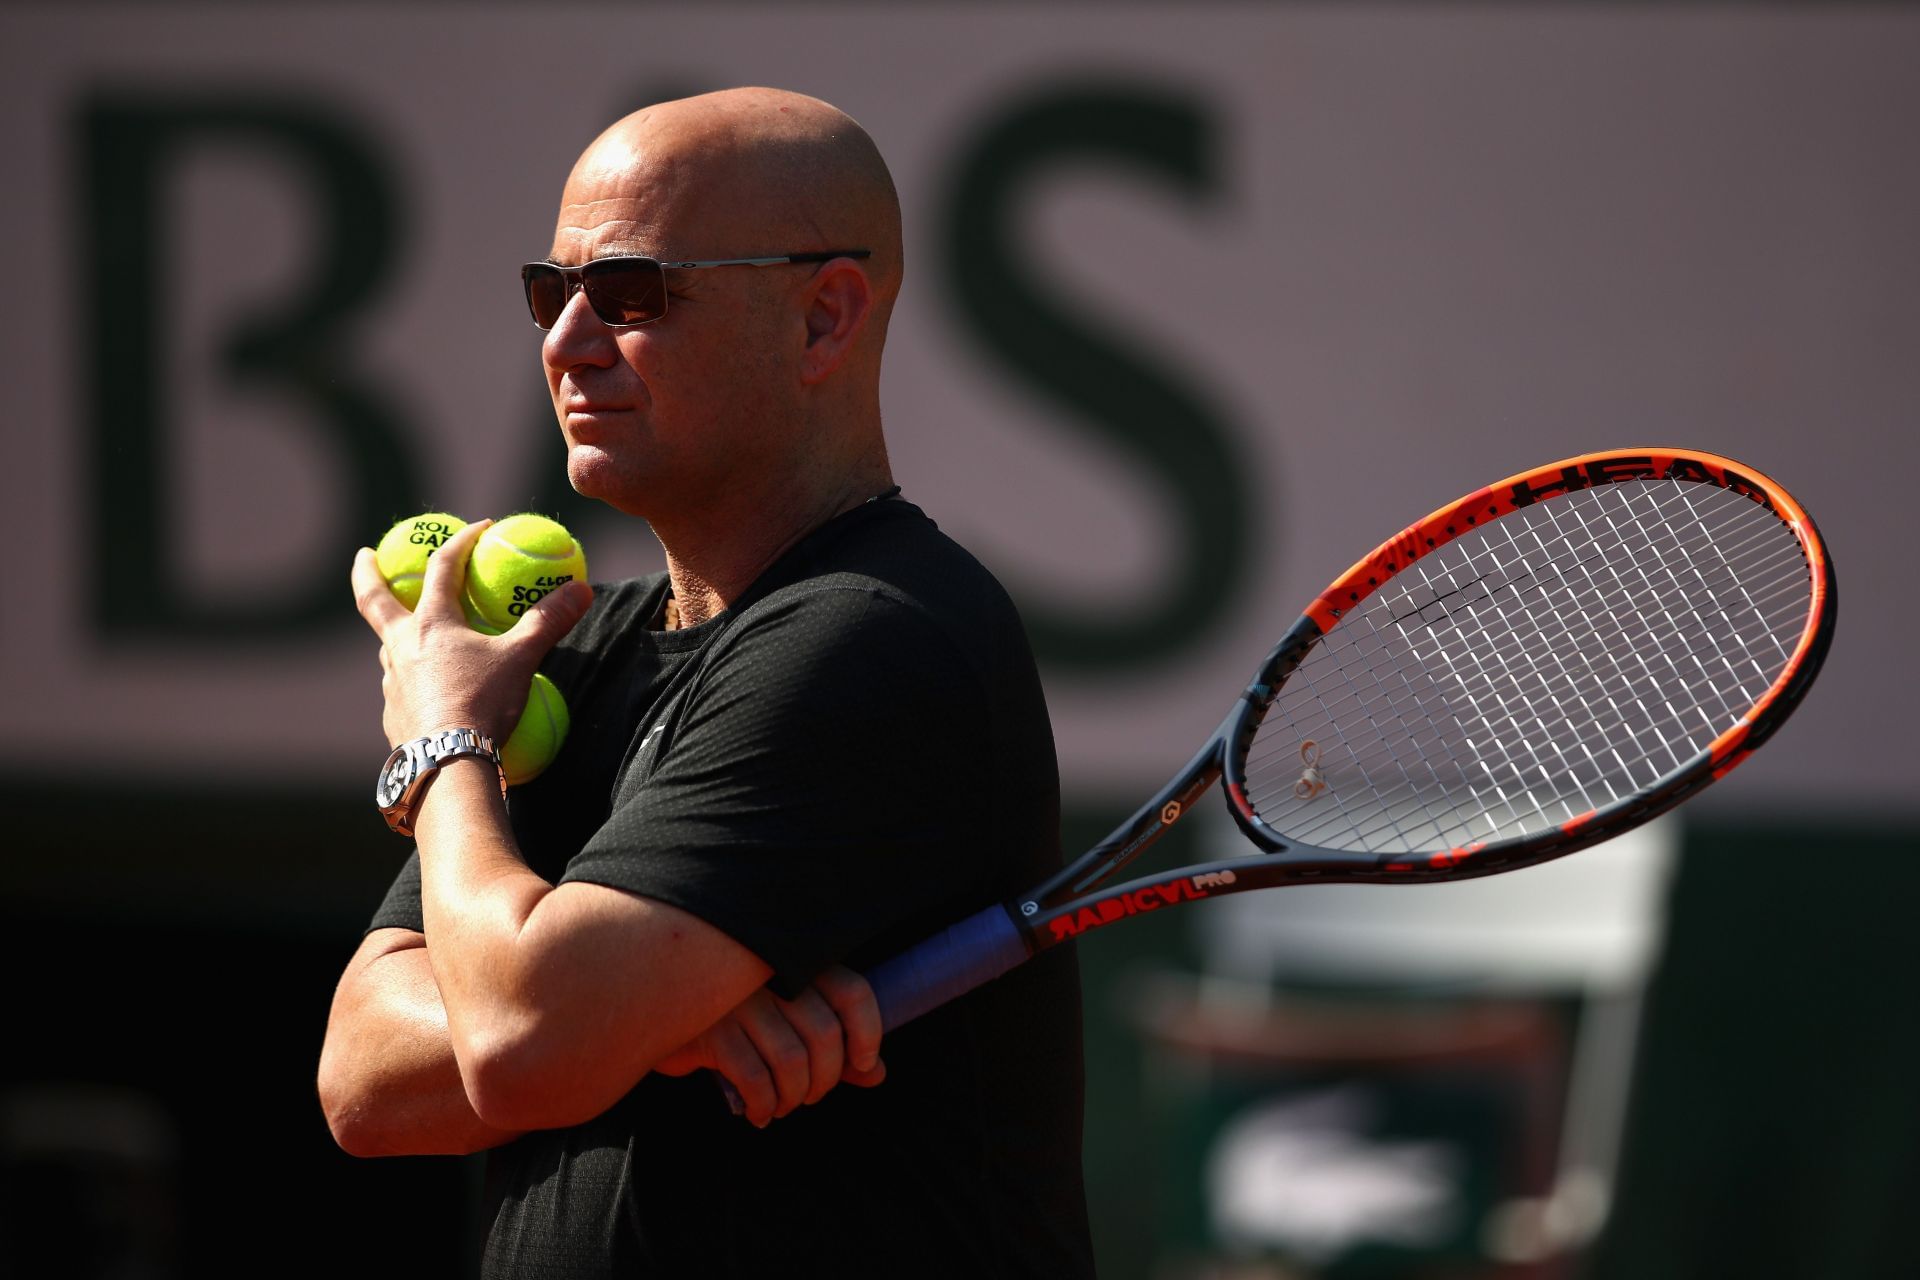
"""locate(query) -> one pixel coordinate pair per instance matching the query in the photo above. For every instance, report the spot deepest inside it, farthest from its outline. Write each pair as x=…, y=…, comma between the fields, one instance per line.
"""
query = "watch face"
x=398, y=771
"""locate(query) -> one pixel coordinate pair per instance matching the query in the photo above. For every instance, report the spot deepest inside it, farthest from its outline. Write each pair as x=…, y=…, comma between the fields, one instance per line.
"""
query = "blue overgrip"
x=926, y=976
x=948, y=964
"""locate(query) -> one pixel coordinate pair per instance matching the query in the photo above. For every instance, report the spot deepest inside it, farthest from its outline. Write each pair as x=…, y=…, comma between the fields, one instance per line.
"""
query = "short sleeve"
x=401, y=907
x=811, y=797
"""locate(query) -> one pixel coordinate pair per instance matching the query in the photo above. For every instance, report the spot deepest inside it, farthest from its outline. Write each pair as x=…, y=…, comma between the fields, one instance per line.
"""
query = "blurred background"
x=1203, y=301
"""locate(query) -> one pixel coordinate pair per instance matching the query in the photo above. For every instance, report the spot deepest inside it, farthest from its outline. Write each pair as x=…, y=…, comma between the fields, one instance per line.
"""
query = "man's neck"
x=710, y=565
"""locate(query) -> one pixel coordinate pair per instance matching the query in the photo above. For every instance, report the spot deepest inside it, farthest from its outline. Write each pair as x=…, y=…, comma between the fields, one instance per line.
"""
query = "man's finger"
x=740, y=1064
x=781, y=1048
x=446, y=572
x=865, y=1079
x=541, y=627
x=814, y=1021
x=852, y=1001
x=371, y=595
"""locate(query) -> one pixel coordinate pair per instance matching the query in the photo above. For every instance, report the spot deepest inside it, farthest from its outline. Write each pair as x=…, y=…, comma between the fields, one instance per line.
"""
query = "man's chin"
x=593, y=475
x=588, y=471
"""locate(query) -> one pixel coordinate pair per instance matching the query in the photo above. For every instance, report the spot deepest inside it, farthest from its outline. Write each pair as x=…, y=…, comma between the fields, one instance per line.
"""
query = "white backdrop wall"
x=1203, y=301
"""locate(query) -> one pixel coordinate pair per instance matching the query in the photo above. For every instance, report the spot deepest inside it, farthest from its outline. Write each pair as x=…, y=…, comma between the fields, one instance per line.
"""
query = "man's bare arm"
x=389, y=1083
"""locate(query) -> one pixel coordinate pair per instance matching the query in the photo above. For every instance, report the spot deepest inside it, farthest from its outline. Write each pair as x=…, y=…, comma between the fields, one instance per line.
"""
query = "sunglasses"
x=624, y=292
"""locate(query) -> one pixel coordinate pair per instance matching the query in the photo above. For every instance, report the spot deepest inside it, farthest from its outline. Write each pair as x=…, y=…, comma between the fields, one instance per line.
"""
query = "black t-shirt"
x=853, y=756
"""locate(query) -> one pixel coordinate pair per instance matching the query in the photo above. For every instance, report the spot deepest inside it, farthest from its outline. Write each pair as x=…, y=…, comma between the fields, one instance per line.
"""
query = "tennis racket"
x=1540, y=666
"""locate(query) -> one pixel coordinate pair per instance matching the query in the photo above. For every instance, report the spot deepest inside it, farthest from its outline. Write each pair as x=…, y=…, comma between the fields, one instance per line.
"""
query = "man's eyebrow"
x=552, y=261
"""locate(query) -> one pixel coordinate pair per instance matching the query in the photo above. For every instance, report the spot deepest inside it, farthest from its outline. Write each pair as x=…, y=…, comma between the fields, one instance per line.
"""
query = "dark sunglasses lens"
x=626, y=291
x=546, y=293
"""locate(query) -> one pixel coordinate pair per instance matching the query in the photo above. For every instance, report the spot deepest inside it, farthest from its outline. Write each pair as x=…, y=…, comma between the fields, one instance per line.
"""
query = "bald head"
x=738, y=173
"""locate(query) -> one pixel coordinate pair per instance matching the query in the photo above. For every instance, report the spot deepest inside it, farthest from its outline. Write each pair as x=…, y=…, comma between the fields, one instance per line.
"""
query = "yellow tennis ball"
x=536, y=740
x=516, y=562
x=403, y=551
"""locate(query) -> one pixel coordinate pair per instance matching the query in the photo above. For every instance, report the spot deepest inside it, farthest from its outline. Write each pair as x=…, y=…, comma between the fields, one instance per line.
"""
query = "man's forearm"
x=477, y=896
x=558, y=1000
x=388, y=1079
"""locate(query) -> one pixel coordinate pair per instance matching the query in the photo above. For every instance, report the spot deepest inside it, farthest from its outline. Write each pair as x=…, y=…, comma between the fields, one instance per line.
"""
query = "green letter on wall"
x=130, y=147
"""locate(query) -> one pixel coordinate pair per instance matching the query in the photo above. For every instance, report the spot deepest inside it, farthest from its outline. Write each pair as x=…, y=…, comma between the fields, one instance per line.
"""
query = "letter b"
x=130, y=146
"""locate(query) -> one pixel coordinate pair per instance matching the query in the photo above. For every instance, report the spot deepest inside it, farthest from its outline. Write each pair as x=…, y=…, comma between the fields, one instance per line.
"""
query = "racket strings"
x=1606, y=625
x=1563, y=657
x=1512, y=763
x=1491, y=667
x=1496, y=660
x=1525, y=664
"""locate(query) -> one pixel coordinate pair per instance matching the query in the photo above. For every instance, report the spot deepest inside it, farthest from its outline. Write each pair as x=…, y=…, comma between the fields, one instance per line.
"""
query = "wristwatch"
x=404, y=777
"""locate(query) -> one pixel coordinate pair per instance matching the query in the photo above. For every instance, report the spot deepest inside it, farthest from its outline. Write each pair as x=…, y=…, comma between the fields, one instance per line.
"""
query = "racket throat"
x=1137, y=834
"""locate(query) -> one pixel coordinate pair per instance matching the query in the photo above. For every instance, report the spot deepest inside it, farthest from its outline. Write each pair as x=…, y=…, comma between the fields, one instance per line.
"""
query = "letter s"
x=1110, y=388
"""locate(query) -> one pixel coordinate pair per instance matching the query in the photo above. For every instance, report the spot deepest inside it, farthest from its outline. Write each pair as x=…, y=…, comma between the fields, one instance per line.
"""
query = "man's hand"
x=781, y=1054
x=439, y=672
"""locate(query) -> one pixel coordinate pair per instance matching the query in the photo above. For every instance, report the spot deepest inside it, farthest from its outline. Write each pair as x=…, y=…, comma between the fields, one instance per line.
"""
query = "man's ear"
x=838, y=301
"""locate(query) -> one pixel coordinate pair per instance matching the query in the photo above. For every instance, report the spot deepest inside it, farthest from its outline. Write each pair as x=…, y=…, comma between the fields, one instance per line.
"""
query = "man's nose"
x=578, y=337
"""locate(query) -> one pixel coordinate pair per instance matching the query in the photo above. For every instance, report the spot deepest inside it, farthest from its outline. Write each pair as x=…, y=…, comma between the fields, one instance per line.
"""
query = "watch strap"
x=403, y=779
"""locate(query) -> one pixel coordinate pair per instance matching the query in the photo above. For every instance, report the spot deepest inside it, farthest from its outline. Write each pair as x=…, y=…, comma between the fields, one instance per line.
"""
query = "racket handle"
x=948, y=964
x=935, y=970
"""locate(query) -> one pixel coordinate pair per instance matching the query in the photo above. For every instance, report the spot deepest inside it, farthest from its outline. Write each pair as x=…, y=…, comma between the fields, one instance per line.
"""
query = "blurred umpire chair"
x=1428, y=1081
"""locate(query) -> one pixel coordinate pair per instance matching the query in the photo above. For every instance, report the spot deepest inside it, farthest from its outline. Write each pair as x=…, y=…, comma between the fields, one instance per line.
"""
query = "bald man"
x=816, y=738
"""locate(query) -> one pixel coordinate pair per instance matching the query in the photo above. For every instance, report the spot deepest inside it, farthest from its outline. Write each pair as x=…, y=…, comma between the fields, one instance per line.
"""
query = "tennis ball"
x=403, y=551
x=513, y=564
x=536, y=740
